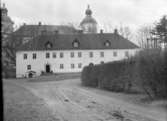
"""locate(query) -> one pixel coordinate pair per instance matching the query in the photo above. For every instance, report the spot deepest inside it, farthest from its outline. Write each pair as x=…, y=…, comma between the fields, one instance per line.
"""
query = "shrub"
x=147, y=70
x=152, y=70
x=110, y=76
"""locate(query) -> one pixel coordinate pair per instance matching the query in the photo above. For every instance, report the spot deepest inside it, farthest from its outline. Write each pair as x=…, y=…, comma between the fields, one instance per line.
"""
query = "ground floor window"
x=72, y=66
x=61, y=66
x=80, y=65
x=28, y=67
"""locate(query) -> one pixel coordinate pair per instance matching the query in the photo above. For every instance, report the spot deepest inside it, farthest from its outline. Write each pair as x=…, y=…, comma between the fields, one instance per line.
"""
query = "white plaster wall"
x=39, y=63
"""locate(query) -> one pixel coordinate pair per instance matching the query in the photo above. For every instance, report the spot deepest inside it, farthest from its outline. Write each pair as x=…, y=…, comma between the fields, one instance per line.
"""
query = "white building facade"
x=65, y=61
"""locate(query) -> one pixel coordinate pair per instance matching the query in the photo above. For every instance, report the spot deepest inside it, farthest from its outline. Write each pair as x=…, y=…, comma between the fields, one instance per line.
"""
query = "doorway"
x=47, y=68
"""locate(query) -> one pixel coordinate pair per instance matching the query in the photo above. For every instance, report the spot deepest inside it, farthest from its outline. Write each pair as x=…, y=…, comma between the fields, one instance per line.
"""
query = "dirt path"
x=75, y=103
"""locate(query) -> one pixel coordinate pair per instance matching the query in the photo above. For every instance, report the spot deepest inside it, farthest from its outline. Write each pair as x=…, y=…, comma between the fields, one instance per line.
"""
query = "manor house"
x=70, y=52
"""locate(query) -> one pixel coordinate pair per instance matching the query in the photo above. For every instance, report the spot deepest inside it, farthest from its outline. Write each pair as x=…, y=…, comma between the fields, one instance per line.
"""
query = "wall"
x=39, y=63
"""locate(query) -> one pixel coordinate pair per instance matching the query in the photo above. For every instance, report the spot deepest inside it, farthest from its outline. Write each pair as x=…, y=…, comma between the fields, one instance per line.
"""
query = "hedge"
x=147, y=71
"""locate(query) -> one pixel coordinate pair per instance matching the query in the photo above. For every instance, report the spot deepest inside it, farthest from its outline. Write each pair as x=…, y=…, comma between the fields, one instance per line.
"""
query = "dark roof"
x=35, y=30
x=86, y=41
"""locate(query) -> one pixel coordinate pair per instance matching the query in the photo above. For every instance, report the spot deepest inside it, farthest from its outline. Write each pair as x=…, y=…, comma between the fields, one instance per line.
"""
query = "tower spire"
x=88, y=11
x=88, y=6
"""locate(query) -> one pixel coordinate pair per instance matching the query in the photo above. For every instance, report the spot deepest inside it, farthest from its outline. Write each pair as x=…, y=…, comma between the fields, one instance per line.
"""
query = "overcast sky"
x=132, y=13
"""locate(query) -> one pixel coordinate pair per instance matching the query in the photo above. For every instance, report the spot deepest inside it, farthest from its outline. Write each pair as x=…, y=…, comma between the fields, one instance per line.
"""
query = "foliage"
x=152, y=70
x=161, y=29
x=150, y=36
x=147, y=70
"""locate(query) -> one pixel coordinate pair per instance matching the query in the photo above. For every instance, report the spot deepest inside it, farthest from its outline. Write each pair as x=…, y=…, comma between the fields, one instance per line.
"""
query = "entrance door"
x=47, y=68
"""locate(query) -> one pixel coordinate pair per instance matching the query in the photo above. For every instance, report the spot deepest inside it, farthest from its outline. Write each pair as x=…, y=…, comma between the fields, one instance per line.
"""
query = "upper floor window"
x=28, y=67
x=47, y=55
x=34, y=55
x=114, y=53
x=75, y=43
x=91, y=54
x=61, y=66
x=79, y=54
x=72, y=54
x=25, y=56
x=101, y=54
x=72, y=66
x=54, y=55
x=61, y=55
x=126, y=53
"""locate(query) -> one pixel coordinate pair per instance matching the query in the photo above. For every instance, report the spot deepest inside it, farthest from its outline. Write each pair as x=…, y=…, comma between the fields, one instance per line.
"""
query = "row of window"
x=34, y=56
x=75, y=44
x=62, y=66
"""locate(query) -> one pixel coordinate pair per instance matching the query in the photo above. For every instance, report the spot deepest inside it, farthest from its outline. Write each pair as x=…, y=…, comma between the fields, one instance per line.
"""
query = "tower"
x=6, y=22
x=88, y=24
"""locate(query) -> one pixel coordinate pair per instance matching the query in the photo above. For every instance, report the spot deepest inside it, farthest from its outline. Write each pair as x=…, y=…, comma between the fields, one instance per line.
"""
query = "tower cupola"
x=88, y=24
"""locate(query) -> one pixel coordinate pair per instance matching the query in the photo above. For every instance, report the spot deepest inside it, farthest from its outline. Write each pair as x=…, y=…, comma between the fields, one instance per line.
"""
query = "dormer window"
x=75, y=43
x=48, y=45
x=107, y=43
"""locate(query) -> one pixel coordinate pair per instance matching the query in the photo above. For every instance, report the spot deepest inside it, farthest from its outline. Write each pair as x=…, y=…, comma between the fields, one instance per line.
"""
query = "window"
x=75, y=43
x=101, y=54
x=126, y=53
x=47, y=55
x=61, y=66
x=61, y=55
x=91, y=54
x=48, y=45
x=102, y=62
x=25, y=56
x=107, y=43
x=72, y=54
x=72, y=66
x=79, y=65
x=115, y=54
x=28, y=67
x=79, y=54
x=54, y=55
x=34, y=55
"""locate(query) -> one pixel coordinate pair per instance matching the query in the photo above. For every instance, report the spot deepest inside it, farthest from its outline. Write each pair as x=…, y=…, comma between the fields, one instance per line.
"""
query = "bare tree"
x=125, y=32
x=144, y=36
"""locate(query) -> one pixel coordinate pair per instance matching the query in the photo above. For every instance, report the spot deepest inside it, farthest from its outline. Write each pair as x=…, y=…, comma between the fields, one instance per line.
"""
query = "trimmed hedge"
x=111, y=76
x=147, y=71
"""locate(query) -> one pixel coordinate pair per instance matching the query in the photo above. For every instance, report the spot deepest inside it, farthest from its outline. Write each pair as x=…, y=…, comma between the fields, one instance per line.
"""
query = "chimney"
x=115, y=31
x=24, y=24
x=39, y=23
x=101, y=31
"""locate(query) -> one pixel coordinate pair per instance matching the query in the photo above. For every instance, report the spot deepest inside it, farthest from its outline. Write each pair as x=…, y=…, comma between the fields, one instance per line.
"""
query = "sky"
x=108, y=13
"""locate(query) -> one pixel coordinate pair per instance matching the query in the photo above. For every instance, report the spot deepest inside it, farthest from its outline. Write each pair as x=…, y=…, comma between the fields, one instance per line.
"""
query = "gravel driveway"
x=67, y=100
